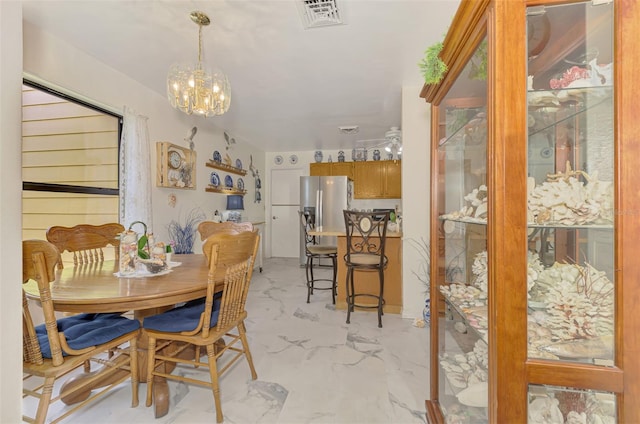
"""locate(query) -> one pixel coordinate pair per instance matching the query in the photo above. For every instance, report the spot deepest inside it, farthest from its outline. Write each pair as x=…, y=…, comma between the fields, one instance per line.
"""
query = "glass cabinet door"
x=462, y=245
x=570, y=217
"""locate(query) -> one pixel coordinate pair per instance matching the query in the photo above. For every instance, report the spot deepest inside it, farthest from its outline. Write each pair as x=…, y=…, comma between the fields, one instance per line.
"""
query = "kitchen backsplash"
x=376, y=203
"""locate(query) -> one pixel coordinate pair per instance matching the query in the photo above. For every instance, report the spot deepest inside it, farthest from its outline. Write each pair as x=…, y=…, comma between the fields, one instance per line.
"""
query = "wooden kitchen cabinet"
x=534, y=222
x=325, y=169
x=378, y=179
x=342, y=168
x=368, y=181
x=393, y=179
x=320, y=169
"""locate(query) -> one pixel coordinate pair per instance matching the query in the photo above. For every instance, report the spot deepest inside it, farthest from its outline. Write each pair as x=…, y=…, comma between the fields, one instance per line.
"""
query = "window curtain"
x=135, y=170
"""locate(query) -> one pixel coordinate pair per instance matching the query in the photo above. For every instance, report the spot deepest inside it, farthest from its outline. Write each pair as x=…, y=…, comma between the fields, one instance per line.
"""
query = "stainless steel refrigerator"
x=324, y=199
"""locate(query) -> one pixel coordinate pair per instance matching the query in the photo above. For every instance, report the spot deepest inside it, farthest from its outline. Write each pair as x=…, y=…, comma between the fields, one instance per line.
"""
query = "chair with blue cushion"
x=207, y=323
x=57, y=347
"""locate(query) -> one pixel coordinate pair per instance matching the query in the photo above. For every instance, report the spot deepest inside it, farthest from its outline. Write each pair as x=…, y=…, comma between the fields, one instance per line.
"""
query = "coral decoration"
x=570, y=75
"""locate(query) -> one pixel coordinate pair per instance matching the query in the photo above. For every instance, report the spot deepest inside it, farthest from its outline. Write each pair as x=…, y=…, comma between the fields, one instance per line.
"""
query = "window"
x=69, y=162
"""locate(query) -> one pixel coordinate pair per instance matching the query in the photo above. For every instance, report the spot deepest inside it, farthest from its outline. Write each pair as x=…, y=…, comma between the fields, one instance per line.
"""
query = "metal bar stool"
x=366, y=239
x=313, y=250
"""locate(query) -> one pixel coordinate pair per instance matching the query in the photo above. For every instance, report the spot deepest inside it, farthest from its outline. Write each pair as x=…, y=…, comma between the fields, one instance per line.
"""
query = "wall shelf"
x=224, y=190
x=227, y=168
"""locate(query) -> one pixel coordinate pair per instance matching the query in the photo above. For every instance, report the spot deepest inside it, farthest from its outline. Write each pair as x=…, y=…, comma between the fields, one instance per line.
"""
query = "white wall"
x=416, y=126
x=47, y=59
x=10, y=213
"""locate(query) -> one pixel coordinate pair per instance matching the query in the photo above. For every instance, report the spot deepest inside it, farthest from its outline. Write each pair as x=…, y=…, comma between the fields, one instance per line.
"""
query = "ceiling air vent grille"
x=319, y=13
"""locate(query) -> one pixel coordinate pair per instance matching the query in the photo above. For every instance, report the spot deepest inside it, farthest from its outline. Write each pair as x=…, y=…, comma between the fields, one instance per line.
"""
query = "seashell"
x=460, y=327
x=481, y=211
x=545, y=410
x=457, y=380
x=456, y=368
x=476, y=395
x=574, y=417
x=460, y=358
x=601, y=348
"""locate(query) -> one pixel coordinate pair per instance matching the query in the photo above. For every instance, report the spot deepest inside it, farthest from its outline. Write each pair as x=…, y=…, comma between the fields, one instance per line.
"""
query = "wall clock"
x=175, y=166
x=538, y=32
x=175, y=160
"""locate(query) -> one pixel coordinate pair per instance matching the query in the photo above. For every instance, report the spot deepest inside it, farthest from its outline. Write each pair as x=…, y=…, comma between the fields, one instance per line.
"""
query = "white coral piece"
x=579, y=301
x=475, y=205
x=564, y=199
x=480, y=270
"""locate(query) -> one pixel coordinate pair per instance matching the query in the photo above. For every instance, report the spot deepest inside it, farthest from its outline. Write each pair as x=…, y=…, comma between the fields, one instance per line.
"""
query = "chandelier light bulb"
x=193, y=89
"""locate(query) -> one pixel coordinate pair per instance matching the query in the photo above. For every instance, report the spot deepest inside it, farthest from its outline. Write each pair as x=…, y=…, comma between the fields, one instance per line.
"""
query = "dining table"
x=98, y=288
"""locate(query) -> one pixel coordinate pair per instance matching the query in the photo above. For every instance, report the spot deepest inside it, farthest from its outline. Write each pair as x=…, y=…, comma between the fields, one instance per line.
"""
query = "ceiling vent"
x=351, y=129
x=319, y=13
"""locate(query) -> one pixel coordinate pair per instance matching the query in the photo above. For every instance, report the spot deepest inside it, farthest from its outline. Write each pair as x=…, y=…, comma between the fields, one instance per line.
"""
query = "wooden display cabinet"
x=534, y=214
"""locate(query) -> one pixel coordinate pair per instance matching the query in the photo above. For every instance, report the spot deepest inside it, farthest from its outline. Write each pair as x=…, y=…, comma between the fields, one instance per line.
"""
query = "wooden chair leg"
x=215, y=384
x=242, y=331
x=45, y=400
x=151, y=359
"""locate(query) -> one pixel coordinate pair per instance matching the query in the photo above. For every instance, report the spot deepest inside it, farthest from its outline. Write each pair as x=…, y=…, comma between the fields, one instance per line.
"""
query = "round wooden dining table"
x=95, y=288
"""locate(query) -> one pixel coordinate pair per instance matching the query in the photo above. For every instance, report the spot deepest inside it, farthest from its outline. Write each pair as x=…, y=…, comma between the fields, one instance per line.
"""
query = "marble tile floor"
x=312, y=367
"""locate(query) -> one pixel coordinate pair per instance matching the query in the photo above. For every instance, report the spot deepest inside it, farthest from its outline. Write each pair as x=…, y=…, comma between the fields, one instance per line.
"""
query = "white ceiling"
x=291, y=88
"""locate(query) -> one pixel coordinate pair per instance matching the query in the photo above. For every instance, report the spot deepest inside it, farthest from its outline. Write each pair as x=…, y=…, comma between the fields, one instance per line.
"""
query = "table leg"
x=99, y=380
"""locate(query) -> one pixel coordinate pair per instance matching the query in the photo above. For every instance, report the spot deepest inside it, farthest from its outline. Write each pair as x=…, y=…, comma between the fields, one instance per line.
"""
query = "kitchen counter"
x=366, y=281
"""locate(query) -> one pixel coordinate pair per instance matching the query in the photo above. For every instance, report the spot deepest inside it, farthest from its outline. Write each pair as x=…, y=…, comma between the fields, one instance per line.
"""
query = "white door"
x=285, y=186
x=285, y=231
x=285, y=225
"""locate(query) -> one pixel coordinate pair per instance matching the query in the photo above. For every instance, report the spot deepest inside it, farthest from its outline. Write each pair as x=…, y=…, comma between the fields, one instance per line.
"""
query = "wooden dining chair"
x=207, y=228
x=86, y=241
x=219, y=318
x=57, y=347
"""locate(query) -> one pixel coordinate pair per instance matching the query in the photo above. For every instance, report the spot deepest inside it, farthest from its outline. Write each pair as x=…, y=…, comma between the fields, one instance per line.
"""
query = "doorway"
x=285, y=202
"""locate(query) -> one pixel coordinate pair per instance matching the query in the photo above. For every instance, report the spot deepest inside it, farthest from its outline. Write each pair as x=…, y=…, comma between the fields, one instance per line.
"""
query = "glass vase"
x=128, y=253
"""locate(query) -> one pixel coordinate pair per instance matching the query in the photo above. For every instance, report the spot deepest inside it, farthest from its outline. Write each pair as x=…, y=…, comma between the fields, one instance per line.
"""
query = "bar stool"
x=313, y=250
x=366, y=238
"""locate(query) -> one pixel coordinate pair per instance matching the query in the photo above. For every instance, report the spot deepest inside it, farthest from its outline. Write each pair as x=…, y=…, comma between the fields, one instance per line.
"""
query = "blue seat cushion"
x=85, y=330
x=183, y=318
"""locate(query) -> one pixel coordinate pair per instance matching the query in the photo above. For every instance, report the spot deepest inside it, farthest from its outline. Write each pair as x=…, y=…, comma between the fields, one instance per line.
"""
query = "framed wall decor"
x=176, y=166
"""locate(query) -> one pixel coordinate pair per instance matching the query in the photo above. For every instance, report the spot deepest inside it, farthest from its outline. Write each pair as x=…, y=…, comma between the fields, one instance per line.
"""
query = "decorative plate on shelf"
x=228, y=181
x=217, y=157
x=238, y=164
x=215, y=179
x=278, y=160
x=240, y=184
x=546, y=152
x=293, y=159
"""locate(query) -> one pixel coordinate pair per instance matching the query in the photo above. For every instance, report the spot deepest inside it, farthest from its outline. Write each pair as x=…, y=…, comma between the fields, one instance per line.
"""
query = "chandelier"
x=193, y=89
